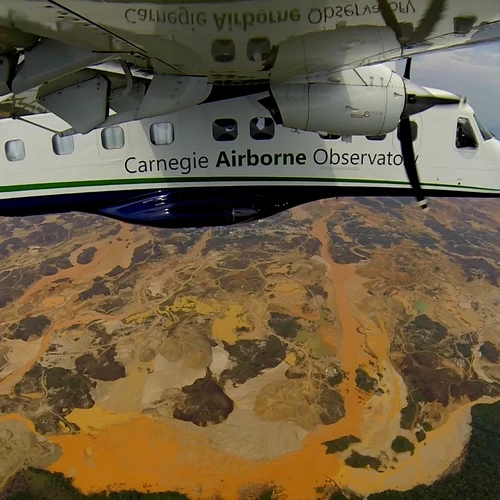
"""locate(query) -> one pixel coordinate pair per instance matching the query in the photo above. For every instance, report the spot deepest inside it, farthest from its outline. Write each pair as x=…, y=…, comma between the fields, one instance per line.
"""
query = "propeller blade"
x=427, y=24
x=407, y=69
x=405, y=137
x=390, y=18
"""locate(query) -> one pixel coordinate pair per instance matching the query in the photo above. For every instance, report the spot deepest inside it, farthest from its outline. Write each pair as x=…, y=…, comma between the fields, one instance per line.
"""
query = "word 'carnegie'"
x=184, y=165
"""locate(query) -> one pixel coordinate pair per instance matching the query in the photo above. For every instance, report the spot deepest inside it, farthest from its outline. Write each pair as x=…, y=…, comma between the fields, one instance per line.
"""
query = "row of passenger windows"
x=226, y=129
x=160, y=134
x=258, y=49
x=223, y=130
x=111, y=138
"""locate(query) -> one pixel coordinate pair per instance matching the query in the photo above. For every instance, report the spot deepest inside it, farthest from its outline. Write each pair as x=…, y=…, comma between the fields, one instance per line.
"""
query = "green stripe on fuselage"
x=164, y=180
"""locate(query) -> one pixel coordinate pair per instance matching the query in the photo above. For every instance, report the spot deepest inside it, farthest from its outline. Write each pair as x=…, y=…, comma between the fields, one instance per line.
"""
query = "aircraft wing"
x=79, y=58
x=251, y=40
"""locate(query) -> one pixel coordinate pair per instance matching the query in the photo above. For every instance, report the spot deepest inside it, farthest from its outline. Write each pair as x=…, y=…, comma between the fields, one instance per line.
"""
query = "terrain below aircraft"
x=228, y=162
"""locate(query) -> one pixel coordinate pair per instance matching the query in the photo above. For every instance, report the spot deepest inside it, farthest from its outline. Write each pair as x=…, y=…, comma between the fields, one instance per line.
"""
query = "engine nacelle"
x=364, y=101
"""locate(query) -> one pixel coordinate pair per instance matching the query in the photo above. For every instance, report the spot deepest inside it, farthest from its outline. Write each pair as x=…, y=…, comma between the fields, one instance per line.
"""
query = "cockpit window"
x=487, y=135
x=465, y=138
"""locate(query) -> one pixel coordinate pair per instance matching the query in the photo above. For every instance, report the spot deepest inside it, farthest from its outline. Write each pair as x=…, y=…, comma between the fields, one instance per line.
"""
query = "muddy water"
x=168, y=451
x=431, y=458
x=117, y=252
x=352, y=350
x=142, y=454
x=376, y=421
x=13, y=416
x=7, y=384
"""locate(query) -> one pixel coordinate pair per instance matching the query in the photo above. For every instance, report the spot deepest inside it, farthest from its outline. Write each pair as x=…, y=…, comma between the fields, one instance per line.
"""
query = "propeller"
x=418, y=99
x=410, y=35
x=406, y=140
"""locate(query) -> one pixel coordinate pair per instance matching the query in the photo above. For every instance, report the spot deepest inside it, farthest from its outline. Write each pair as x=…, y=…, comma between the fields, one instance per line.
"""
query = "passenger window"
x=225, y=129
x=113, y=138
x=465, y=138
x=377, y=137
x=63, y=145
x=414, y=131
x=223, y=50
x=258, y=49
x=14, y=150
x=329, y=137
x=161, y=133
x=262, y=128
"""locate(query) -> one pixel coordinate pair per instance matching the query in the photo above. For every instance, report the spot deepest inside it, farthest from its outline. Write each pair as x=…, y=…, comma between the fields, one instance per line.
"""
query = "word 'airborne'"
x=250, y=159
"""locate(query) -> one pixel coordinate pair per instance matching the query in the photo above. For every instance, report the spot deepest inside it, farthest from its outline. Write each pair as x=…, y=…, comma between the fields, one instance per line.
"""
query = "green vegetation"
x=422, y=331
x=335, y=379
x=364, y=381
x=420, y=435
x=339, y=495
x=402, y=445
x=490, y=352
x=420, y=306
x=359, y=461
x=284, y=325
x=267, y=494
x=479, y=476
x=36, y=484
x=427, y=427
x=408, y=415
x=318, y=290
x=465, y=350
x=340, y=444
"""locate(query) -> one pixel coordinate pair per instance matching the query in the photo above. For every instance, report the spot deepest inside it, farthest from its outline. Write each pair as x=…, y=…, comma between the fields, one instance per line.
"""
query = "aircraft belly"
x=228, y=196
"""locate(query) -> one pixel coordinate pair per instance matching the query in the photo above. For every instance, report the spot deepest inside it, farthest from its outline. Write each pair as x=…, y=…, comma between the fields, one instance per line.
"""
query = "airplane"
x=229, y=162
x=315, y=65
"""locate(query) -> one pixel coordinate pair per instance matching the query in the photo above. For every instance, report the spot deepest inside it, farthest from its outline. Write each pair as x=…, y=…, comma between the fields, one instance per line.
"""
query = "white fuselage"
x=191, y=157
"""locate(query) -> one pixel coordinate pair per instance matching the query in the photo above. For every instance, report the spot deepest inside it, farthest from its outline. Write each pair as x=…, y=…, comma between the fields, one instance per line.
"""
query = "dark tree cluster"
x=479, y=476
